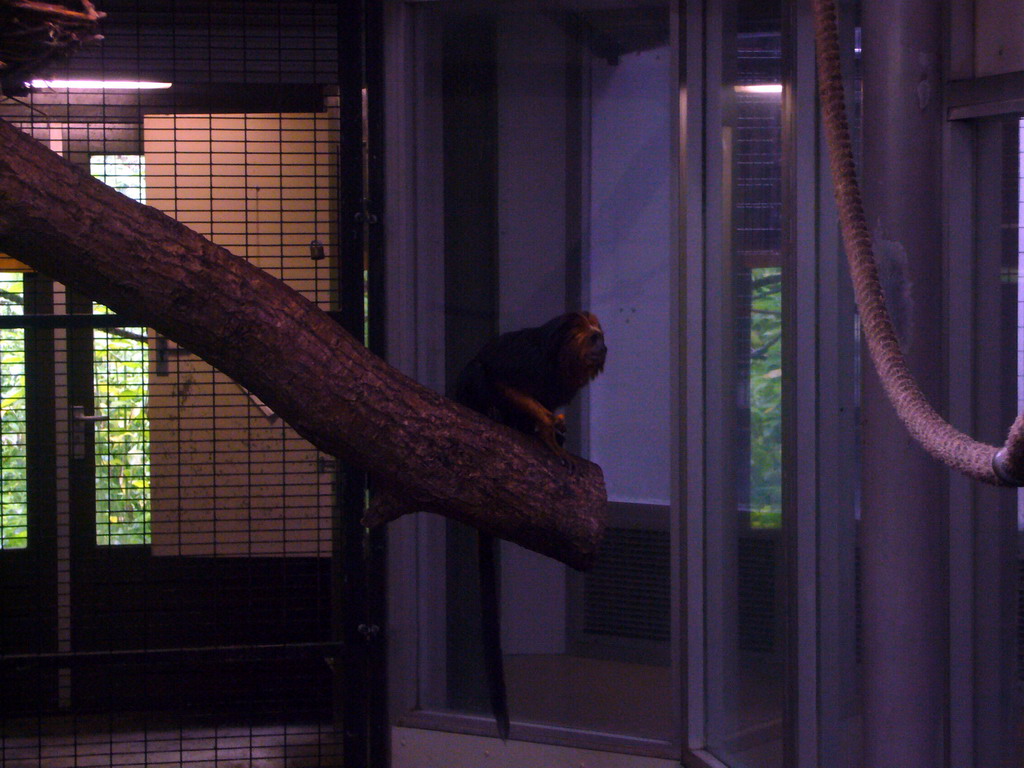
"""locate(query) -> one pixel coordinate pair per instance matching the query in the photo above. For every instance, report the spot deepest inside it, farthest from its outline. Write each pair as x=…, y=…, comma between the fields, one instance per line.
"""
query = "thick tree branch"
x=429, y=451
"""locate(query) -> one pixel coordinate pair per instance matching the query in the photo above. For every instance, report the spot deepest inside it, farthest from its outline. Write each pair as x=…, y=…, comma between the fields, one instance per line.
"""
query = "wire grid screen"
x=757, y=270
x=165, y=594
x=261, y=188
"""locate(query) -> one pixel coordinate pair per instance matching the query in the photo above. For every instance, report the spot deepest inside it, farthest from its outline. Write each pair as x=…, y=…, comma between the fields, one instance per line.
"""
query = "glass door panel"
x=557, y=130
x=746, y=597
x=122, y=448
x=29, y=591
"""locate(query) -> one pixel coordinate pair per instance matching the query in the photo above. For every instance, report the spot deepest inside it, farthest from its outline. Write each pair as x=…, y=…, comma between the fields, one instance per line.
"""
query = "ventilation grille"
x=1020, y=618
x=757, y=594
x=627, y=593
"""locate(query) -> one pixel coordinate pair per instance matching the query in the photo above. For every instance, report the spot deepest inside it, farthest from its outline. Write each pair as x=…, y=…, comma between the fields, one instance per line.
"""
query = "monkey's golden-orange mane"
x=579, y=362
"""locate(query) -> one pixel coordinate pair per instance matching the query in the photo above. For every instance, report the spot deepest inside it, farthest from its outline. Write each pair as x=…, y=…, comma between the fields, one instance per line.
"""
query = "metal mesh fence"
x=165, y=538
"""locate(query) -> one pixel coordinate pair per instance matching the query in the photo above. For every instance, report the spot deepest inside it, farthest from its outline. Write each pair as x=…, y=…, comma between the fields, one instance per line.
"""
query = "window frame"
x=817, y=424
x=983, y=535
x=983, y=714
x=415, y=344
x=820, y=414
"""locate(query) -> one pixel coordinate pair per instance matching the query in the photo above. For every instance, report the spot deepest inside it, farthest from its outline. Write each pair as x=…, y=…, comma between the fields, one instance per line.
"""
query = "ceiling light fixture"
x=98, y=85
x=761, y=88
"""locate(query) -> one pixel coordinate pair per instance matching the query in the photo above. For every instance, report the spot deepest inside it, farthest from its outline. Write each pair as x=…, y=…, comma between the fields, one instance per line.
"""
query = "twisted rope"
x=997, y=466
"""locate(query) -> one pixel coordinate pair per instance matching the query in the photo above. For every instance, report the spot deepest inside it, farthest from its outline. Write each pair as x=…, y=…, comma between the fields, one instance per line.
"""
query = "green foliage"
x=13, y=473
x=125, y=173
x=121, y=392
x=766, y=398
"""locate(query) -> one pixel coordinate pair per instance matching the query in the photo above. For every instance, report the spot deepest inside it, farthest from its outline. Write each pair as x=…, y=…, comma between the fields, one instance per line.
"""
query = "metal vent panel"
x=757, y=594
x=627, y=594
x=1020, y=618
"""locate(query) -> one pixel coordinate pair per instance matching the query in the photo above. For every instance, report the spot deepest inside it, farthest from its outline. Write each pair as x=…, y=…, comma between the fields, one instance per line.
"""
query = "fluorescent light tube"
x=96, y=85
x=761, y=88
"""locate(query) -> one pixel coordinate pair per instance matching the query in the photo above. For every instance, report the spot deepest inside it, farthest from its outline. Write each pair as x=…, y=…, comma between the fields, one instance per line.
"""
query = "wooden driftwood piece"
x=34, y=34
x=429, y=452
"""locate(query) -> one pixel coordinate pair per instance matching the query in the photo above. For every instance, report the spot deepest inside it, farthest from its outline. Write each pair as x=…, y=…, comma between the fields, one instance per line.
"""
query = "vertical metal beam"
x=837, y=396
x=692, y=378
x=904, y=501
x=358, y=558
x=961, y=292
x=677, y=527
x=718, y=367
x=990, y=590
x=802, y=347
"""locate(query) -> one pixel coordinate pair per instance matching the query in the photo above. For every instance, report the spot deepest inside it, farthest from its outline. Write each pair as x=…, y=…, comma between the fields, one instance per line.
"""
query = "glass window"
x=122, y=455
x=13, y=450
x=985, y=528
x=745, y=652
x=121, y=398
x=125, y=173
x=558, y=194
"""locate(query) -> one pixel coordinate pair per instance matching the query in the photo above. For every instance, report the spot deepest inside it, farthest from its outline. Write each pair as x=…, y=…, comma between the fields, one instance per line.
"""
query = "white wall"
x=531, y=244
x=627, y=267
x=227, y=478
x=629, y=273
x=998, y=37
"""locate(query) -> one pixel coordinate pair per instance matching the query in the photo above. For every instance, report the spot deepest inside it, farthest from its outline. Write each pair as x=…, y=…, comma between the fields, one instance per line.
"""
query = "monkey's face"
x=584, y=350
x=595, y=349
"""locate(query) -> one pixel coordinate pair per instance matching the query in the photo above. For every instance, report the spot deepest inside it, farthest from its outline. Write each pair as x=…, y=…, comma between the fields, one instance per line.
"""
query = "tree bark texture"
x=429, y=452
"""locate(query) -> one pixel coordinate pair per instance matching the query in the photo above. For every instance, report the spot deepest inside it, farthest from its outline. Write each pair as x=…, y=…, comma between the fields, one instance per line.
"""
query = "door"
x=28, y=530
x=542, y=180
x=166, y=538
x=74, y=501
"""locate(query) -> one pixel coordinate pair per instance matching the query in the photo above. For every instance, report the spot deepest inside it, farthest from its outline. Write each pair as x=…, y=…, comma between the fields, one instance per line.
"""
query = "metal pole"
x=903, y=528
x=358, y=557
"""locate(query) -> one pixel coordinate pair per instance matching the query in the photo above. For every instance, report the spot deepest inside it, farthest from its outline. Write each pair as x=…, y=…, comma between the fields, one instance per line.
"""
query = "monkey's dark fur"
x=520, y=379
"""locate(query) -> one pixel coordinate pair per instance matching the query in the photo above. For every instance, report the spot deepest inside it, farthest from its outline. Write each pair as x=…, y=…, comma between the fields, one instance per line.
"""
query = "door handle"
x=81, y=422
x=78, y=414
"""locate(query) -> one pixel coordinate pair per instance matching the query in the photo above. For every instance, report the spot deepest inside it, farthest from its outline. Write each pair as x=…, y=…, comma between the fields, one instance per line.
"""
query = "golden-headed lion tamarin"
x=520, y=379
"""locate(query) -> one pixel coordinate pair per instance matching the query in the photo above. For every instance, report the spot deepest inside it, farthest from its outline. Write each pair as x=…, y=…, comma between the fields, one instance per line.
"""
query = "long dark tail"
x=490, y=616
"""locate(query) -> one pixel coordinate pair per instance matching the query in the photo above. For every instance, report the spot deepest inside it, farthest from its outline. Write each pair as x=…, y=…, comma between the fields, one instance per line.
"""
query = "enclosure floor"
x=621, y=697
x=85, y=742
x=593, y=694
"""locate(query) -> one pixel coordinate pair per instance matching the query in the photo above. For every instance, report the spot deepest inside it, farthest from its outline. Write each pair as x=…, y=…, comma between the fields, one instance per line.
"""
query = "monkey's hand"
x=560, y=429
x=552, y=434
x=548, y=426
